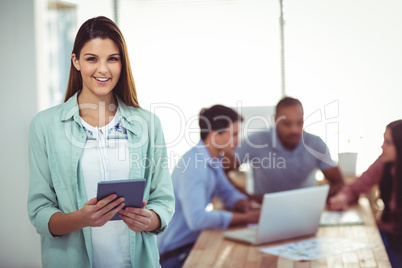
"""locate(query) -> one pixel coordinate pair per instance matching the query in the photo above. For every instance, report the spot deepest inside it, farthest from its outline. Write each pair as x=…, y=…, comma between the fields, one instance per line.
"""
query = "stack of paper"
x=331, y=218
x=316, y=248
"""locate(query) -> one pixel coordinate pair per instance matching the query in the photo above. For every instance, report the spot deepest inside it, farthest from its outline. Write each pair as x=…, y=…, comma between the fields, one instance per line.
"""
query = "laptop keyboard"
x=247, y=232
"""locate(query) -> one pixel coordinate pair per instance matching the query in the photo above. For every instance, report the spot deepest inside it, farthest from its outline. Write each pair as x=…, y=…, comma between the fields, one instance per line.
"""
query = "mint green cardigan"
x=56, y=141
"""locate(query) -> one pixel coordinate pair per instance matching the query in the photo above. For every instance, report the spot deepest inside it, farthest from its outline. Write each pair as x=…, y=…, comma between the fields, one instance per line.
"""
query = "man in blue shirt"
x=197, y=179
x=285, y=157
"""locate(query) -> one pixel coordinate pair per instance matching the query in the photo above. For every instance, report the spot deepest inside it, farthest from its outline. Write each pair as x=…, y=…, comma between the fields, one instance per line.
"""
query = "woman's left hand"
x=137, y=219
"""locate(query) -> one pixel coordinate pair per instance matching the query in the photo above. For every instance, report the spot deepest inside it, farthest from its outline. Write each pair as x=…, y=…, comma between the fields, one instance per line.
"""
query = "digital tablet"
x=131, y=190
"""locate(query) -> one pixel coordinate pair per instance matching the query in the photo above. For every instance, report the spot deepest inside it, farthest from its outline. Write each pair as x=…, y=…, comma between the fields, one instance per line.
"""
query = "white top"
x=106, y=157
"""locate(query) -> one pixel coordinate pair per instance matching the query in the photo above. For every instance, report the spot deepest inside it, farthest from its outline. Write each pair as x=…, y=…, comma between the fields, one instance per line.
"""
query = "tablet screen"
x=131, y=190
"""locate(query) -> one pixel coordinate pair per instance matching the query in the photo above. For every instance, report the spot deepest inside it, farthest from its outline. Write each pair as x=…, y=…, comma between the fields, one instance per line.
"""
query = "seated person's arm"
x=335, y=179
x=350, y=193
x=193, y=195
x=232, y=197
x=251, y=216
x=245, y=213
x=230, y=162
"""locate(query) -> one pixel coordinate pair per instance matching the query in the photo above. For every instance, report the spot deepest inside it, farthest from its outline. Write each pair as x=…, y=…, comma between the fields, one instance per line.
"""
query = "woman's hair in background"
x=389, y=183
x=104, y=28
x=218, y=118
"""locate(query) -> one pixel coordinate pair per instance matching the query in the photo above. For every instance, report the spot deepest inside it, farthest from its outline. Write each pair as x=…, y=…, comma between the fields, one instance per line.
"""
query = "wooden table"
x=212, y=250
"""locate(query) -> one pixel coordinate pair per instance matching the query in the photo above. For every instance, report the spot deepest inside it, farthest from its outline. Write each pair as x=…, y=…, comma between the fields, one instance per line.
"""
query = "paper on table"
x=316, y=248
x=349, y=217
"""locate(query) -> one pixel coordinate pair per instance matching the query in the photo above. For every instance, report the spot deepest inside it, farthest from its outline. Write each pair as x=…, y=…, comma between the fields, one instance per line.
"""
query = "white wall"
x=348, y=54
x=19, y=243
x=343, y=60
x=187, y=55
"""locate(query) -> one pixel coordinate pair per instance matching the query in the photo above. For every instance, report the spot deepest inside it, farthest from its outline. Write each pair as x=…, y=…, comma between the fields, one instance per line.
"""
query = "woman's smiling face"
x=100, y=67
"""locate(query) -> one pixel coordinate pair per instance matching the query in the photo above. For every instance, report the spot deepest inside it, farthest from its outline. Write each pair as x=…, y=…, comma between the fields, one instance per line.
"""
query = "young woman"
x=98, y=133
x=387, y=172
x=197, y=179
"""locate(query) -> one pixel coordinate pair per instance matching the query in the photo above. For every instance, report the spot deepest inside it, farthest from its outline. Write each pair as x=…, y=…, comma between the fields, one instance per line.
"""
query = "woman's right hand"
x=96, y=213
x=338, y=202
x=92, y=214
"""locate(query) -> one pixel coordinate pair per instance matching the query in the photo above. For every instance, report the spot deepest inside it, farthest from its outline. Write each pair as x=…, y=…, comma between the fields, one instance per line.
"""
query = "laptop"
x=285, y=215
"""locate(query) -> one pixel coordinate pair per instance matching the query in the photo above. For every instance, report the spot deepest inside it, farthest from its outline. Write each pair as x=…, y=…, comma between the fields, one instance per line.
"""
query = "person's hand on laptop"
x=257, y=198
x=242, y=205
x=253, y=205
x=246, y=205
x=251, y=216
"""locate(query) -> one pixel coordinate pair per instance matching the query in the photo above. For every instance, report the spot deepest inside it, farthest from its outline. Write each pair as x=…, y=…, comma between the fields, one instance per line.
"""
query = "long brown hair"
x=104, y=28
x=390, y=183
